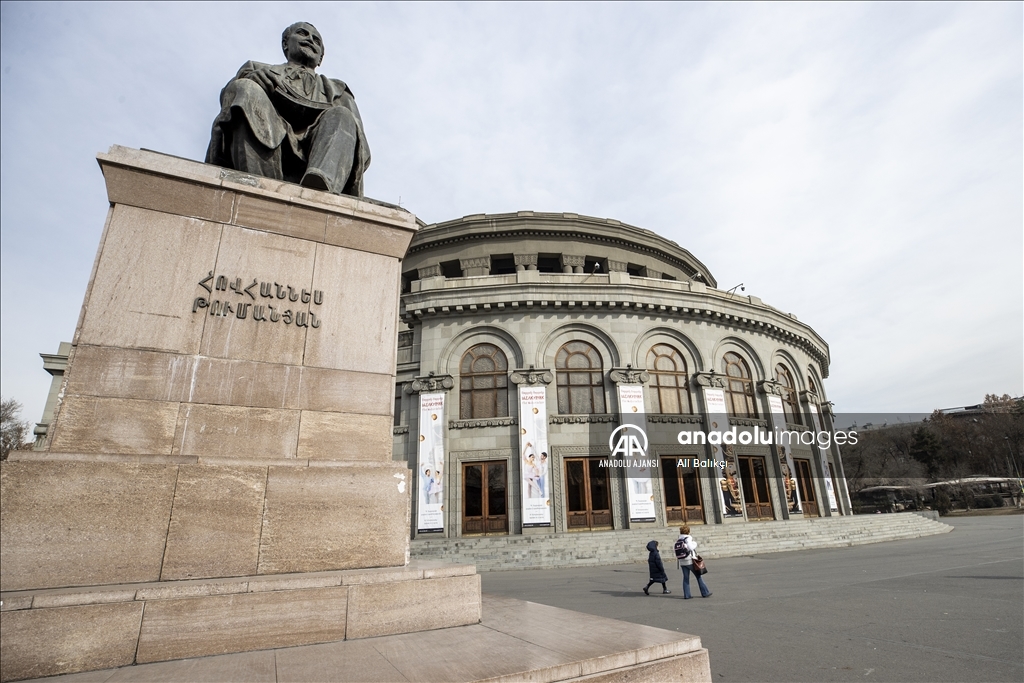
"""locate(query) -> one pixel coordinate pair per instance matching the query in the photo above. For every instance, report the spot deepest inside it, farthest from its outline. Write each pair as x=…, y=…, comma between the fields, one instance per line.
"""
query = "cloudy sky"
x=857, y=164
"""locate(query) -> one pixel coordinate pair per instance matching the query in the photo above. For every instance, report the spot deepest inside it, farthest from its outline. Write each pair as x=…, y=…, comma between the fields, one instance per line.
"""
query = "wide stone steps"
x=496, y=553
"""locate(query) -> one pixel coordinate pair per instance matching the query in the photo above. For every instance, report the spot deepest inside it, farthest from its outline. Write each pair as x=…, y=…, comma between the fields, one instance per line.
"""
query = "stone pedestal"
x=220, y=455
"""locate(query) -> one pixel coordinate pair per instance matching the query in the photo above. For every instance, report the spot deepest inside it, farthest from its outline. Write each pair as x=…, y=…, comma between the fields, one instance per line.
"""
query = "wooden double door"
x=682, y=494
x=588, y=499
x=484, y=498
x=756, y=496
x=805, y=480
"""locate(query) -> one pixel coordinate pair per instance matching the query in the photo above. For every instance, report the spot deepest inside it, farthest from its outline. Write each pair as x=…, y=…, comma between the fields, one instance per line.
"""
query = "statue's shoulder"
x=251, y=66
x=336, y=88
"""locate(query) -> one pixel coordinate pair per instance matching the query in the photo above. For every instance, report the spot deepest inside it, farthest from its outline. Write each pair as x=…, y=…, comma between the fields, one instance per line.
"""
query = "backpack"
x=682, y=550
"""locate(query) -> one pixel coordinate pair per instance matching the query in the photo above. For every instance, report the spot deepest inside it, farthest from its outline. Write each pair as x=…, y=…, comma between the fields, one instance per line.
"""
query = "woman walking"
x=686, y=550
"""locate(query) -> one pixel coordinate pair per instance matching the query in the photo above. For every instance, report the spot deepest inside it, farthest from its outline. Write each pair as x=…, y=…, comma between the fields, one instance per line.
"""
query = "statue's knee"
x=339, y=117
x=243, y=89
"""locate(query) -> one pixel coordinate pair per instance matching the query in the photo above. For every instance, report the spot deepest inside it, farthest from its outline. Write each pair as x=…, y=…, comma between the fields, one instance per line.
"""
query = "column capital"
x=429, y=271
x=629, y=375
x=710, y=379
x=770, y=387
x=809, y=397
x=532, y=376
x=429, y=384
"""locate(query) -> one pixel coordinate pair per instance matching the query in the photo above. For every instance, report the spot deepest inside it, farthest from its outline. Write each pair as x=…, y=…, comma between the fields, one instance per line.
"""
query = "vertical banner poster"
x=534, y=455
x=823, y=455
x=638, y=470
x=430, y=466
x=793, y=502
x=729, y=479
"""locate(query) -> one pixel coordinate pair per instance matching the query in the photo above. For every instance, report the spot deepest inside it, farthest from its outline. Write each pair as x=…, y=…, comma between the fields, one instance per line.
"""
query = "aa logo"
x=631, y=443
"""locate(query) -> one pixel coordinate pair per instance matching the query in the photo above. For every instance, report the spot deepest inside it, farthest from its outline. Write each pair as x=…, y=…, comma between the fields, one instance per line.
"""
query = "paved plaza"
x=941, y=608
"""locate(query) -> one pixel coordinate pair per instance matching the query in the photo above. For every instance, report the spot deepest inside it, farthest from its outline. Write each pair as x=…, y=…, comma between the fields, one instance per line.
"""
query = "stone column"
x=526, y=261
x=572, y=264
x=472, y=267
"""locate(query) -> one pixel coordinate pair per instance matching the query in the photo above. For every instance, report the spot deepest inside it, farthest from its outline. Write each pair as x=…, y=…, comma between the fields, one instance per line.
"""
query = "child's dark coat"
x=654, y=562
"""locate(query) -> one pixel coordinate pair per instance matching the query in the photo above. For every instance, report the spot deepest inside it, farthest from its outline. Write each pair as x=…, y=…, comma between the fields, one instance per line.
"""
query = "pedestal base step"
x=49, y=632
x=515, y=641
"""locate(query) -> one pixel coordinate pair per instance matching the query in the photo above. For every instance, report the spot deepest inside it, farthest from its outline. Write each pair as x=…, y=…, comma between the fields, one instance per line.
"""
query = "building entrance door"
x=806, y=483
x=754, y=476
x=587, y=495
x=682, y=494
x=484, y=498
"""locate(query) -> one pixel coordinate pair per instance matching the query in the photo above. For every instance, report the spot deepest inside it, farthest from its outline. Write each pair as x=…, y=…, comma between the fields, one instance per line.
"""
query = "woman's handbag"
x=699, y=568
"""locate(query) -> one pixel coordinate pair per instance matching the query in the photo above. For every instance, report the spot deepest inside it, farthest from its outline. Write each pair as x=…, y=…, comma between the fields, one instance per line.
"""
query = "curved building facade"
x=533, y=343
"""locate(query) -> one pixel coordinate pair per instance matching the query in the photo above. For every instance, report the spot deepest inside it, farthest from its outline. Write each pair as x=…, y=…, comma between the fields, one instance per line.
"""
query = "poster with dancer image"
x=535, y=460
x=638, y=479
x=793, y=502
x=430, y=464
x=729, y=476
x=830, y=490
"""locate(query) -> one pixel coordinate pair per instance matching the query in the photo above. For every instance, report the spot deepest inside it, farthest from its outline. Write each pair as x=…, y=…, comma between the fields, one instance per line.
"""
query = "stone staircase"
x=535, y=551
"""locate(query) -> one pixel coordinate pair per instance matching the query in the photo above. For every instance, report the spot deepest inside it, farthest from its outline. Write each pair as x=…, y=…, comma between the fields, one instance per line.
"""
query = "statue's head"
x=302, y=44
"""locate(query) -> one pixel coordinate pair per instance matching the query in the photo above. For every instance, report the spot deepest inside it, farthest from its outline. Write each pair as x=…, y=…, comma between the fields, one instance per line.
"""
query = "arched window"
x=790, y=402
x=670, y=385
x=739, y=387
x=812, y=386
x=580, y=379
x=483, y=383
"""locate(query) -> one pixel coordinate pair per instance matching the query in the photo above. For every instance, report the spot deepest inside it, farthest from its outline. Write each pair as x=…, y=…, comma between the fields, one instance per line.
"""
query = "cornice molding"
x=484, y=422
x=748, y=422
x=582, y=419
x=413, y=311
x=675, y=419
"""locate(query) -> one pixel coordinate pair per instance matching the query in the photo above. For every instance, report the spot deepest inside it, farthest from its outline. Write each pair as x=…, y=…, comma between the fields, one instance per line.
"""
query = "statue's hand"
x=265, y=78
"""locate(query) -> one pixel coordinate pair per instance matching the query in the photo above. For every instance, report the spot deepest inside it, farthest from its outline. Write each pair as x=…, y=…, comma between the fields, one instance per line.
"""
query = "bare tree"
x=14, y=431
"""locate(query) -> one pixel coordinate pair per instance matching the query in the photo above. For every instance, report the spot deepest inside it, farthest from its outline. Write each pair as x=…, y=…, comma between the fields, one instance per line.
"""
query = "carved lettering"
x=260, y=313
x=221, y=308
x=205, y=280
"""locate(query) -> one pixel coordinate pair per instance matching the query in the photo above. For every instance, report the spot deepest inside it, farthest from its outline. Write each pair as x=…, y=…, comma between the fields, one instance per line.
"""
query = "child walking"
x=657, y=568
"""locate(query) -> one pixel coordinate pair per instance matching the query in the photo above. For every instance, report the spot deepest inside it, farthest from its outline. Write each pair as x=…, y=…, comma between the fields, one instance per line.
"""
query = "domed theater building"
x=531, y=343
